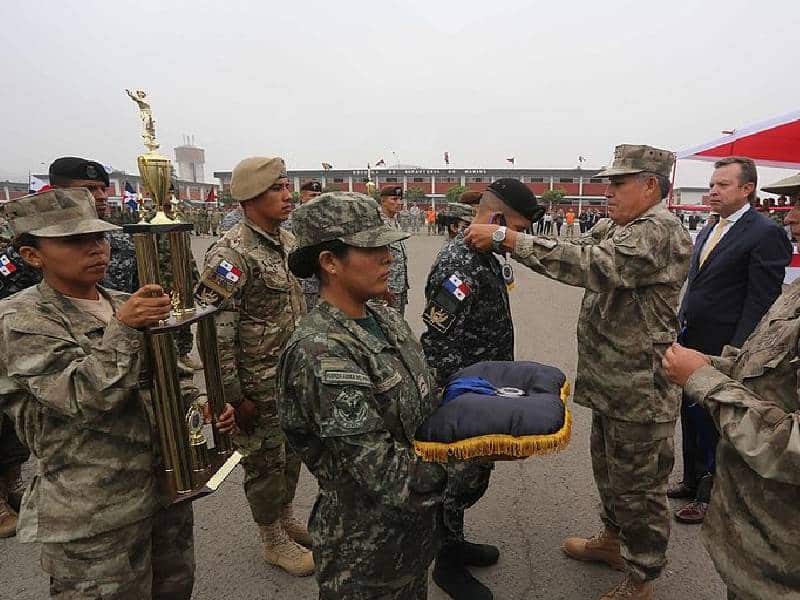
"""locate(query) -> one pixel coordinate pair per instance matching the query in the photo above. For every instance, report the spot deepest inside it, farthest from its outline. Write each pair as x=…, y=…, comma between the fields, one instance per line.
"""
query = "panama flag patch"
x=228, y=271
x=458, y=288
x=6, y=266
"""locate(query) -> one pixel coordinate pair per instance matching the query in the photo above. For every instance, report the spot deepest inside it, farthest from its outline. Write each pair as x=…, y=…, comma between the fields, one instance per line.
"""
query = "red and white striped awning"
x=771, y=143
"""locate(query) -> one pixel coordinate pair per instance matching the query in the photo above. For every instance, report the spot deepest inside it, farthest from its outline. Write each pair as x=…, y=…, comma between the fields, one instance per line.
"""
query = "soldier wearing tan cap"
x=632, y=267
x=75, y=384
x=246, y=274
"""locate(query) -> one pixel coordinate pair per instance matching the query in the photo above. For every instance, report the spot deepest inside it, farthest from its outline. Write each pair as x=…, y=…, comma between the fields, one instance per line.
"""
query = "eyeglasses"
x=279, y=187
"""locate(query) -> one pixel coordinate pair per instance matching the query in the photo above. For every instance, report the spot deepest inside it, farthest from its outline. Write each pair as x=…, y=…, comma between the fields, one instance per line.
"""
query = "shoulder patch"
x=350, y=408
x=218, y=282
x=447, y=303
x=7, y=267
x=623, y=234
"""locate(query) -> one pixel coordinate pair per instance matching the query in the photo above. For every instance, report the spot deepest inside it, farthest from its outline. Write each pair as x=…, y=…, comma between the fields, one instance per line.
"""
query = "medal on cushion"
x=508, y=273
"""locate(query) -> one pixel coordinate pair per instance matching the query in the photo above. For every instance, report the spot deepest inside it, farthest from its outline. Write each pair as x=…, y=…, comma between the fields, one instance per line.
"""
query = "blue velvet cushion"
x=540, y=411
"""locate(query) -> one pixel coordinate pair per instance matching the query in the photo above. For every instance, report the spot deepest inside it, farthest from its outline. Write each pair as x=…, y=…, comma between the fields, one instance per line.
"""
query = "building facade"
x=581, y=186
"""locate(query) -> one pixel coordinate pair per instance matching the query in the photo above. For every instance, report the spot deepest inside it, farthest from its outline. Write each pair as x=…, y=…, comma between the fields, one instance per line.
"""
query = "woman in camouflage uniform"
x=73, y=381
x=353, y=390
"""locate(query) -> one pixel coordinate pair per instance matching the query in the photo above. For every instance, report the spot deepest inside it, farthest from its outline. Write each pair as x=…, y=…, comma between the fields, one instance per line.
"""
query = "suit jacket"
x=741, y=278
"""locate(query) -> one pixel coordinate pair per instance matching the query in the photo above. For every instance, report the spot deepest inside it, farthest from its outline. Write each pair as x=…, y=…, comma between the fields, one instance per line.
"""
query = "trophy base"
x=221, y=465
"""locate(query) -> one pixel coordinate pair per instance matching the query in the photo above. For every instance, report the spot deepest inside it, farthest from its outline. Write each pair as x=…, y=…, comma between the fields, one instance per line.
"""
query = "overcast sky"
x=351, y=82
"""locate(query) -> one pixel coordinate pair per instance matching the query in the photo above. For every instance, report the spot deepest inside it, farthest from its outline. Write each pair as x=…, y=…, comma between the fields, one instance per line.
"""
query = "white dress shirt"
x=726, y=228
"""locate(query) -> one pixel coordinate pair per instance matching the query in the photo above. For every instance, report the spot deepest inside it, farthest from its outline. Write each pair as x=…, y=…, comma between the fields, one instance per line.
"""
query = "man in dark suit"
x=736, y=273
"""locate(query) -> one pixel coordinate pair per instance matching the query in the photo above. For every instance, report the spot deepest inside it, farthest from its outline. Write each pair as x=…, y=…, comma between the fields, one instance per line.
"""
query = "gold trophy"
x=190, y=468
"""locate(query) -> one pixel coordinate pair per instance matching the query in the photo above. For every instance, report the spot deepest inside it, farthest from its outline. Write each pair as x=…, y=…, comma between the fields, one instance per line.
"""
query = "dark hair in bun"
x=304, y=262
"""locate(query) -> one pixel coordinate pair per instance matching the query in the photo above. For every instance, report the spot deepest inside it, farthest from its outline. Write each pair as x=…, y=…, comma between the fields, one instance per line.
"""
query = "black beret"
x=392, y=191
x=518, y=196
x=72, y=167
x=311, y=186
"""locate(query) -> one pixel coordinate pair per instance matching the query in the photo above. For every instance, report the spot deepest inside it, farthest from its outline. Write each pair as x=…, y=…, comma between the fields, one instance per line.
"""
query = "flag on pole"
x=35, y=184
x=129, y=197
x=212, y=196
x=447, y=158
x=511, y=159
x=327, y=166
x=380, y=163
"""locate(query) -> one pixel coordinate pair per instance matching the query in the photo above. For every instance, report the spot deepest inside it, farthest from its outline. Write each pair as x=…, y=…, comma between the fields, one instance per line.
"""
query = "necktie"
x=713, y=240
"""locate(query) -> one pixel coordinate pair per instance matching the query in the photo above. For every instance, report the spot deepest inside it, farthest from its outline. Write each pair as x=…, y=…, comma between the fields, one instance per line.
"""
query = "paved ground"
x=529, y=508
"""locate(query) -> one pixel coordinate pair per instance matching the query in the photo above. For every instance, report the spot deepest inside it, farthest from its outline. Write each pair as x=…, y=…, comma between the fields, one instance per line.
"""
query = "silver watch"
x=498, y=237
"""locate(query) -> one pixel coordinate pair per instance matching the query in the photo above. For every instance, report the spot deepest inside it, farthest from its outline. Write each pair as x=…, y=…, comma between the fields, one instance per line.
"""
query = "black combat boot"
x=477, y=555
x=451, y=575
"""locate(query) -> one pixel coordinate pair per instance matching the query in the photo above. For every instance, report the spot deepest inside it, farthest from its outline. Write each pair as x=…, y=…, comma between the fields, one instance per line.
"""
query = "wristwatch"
x=498, y=237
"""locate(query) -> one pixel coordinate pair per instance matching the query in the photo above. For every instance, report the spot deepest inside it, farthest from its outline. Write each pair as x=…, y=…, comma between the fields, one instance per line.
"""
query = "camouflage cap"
x=632, y=158
x=350, y=217
x=55, y=213
x=456, y=210
x=254, y=175
x=788, y=185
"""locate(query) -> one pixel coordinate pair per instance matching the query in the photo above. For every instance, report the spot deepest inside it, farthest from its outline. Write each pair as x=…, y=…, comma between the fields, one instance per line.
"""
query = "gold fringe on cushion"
x=501, y=444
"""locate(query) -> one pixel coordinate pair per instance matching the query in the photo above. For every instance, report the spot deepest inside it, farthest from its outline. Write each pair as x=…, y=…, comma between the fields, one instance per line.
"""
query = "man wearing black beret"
x=468, y=316
x=310, y=190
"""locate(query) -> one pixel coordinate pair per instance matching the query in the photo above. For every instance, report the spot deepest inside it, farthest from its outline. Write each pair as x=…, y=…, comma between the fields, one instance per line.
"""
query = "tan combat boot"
x=630, y=588
x=8, y=517
x=603, y=547
x=295, y=527
x=280, y=550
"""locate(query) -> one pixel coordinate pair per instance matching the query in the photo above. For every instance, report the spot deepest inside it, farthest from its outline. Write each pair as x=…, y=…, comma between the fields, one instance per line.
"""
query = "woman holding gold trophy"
x=75, y=380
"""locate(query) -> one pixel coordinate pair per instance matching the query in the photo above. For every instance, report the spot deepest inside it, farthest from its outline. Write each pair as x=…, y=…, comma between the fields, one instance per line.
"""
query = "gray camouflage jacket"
x=79, y=398
x=753, y=396
x=398, y=272
x=632, y=275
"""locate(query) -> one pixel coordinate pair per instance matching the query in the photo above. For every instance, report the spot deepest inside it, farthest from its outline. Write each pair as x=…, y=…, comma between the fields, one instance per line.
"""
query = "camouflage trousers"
x=13, y=452
x=153, y=558
x=467, y=482
x=631, y=464
x=271, y=468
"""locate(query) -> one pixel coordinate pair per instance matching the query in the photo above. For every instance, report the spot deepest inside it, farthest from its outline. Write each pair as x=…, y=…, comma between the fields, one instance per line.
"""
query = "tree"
x=415, y=194
x=226, y=199
x=454, y=193
x=553, y=197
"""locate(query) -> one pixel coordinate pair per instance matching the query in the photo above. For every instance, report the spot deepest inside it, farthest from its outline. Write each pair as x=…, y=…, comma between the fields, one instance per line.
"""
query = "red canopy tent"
x=771, y=143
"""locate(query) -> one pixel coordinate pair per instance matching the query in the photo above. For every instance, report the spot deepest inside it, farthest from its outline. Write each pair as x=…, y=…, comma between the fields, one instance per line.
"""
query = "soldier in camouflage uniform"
x=246, y=274
x=751, y=526
x=16, y=275
x=632, y=267
x=354, y=387
x=308, y=191
x=391, y=203
x=73, y=379
x=462, y=330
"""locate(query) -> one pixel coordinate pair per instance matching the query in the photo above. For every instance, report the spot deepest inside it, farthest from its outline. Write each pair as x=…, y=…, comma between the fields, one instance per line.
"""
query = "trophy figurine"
x=190, y=467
